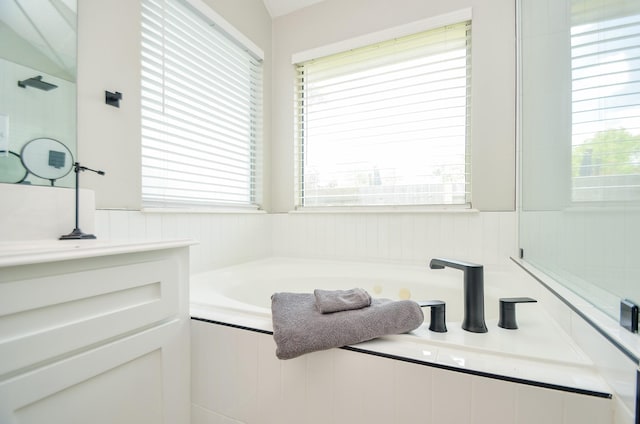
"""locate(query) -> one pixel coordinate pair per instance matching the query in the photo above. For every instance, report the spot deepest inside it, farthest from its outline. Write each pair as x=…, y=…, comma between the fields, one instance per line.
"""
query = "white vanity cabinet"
x=95, y=333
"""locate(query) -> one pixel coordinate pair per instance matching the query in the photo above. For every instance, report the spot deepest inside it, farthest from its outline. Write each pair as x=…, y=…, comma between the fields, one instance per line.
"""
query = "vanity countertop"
x=39, y=251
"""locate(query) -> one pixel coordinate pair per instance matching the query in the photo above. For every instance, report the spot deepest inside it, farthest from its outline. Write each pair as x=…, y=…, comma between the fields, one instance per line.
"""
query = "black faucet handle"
x=438, y=315
x=508, y=311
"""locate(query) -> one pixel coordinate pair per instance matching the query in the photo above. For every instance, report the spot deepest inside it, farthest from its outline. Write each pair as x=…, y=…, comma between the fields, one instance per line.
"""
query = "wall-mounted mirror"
x=37, y=80
x=11, y=168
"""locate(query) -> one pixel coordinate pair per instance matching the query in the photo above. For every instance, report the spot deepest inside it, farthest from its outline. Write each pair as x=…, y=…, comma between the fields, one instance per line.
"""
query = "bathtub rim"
x=558, y=376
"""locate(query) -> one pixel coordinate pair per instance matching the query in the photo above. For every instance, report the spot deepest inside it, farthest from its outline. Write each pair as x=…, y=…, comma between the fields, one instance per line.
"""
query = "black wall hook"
x=112, y=99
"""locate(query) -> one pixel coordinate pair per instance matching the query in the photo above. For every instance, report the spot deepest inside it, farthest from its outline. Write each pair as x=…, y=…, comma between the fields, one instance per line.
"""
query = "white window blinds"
x=201, y=111
x=387, y=124
x=605, y=61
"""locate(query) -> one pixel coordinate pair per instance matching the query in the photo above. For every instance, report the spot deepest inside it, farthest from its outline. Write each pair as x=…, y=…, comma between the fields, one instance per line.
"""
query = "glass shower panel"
x=580, y=145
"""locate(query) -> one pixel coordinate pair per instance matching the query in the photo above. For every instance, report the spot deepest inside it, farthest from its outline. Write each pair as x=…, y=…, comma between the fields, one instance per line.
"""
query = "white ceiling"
x=282, y=7
x=49, y=27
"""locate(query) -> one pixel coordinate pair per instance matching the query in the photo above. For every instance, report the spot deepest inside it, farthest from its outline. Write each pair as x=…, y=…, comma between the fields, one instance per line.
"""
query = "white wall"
x=493, y=81
x=109, y=59
x=42, y=213
x=109, y=137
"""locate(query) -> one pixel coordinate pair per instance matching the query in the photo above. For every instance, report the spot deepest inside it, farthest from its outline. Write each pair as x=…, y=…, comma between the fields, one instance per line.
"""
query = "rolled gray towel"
x=329, y=301
x=299, y=327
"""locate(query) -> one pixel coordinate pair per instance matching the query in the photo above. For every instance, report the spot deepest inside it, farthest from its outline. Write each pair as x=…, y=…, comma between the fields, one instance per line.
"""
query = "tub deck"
x=539, y=353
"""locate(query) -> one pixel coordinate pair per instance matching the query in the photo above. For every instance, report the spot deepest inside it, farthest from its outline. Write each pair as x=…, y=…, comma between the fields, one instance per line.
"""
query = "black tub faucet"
x=473, y=292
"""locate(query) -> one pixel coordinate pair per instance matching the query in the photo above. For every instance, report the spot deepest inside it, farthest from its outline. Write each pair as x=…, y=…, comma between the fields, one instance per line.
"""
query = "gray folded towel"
x=329, y=301
x=299, y=327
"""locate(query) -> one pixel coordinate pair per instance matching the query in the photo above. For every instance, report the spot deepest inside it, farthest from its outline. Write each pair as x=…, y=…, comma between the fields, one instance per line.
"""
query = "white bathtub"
x=538, y=353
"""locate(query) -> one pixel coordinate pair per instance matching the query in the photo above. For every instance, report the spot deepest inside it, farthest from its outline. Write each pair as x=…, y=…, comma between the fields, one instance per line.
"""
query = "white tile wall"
x=237, y=378
x=486, y=392
x=223, y=239
x=539, y=406
x=560, y=242
x=484, y=237
x=451, y=397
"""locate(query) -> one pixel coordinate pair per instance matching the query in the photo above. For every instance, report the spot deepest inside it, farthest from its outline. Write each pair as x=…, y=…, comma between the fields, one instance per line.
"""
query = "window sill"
x=386, y=210
x=202, y=211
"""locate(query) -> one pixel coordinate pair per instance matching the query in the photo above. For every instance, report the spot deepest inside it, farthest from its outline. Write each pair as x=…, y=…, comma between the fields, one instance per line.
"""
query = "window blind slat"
x=386, y=124
x=201, y=111
x=175, y=134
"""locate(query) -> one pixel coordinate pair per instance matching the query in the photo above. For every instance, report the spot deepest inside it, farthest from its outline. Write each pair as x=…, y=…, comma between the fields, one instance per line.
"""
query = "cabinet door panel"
x=127, y=394
x=46, y=317
x=121, y=382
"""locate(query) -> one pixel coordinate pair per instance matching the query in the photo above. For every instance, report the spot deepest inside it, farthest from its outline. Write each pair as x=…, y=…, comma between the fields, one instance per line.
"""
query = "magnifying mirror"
x=47, y=158
x=11, y=168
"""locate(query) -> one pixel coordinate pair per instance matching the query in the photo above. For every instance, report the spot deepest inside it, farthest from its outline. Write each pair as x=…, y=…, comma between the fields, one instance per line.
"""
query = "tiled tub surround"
x=237, y=379
x=501, y=376
x=413, y=237
x=488, y=238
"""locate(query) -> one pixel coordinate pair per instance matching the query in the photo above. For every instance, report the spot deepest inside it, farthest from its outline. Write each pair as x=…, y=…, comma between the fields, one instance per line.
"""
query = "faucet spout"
x=473, y=292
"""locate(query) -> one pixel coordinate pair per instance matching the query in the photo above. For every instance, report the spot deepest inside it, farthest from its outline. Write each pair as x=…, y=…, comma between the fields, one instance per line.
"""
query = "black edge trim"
x=440, y=366
x=596, y=327
x=226, y=324
x=637, y=420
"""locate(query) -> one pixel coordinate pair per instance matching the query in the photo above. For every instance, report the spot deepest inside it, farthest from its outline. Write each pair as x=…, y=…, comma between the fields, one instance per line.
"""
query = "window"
x=605, y=62
x=387, y=124
x=201, y=111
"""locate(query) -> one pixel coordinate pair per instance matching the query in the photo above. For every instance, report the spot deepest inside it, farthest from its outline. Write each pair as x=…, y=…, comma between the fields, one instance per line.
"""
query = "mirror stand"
x=77, y=233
